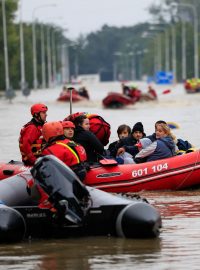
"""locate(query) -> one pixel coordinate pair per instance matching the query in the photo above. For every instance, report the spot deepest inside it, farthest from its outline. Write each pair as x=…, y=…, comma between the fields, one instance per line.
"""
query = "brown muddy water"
x=177, y=247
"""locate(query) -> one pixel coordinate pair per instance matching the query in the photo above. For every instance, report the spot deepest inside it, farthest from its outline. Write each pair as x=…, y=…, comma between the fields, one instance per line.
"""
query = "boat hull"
x=117, y=100
x=106, y=214
x=175, y=173
x=66, y=97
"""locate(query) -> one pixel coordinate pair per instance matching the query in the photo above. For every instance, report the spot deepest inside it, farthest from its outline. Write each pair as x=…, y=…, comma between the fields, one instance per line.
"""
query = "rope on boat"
x=133, y=196
x=186, y=178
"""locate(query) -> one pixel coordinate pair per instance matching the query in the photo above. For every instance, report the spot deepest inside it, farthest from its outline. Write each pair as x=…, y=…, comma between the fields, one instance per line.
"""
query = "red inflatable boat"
x=175, y=173
x=117, y=100
x=77, y=95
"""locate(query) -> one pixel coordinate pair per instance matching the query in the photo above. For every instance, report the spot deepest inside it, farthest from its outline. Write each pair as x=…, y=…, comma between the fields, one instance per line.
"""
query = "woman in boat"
x=162, y=147
x=182, y=146
x=82, y=135
x=31, y=140
x=71, y=153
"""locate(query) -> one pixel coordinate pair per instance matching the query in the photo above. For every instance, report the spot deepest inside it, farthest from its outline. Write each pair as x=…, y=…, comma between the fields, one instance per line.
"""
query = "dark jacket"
x=90, y=142
x=112, y=148
x=125, y=142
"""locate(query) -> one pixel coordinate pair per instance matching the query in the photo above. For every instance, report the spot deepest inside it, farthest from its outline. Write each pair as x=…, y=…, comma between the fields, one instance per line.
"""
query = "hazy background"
x=84, y=16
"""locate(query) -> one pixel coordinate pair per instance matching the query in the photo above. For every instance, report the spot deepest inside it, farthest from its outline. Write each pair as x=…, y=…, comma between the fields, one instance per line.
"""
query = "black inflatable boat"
x=79, y=210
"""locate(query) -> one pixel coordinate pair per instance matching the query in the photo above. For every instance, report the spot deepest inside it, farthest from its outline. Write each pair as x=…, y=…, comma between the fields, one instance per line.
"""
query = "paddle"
x=167, y=91
x=108, y=162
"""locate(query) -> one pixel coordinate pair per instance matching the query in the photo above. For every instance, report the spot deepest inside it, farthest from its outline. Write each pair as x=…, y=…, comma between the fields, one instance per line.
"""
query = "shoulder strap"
x=70, y=149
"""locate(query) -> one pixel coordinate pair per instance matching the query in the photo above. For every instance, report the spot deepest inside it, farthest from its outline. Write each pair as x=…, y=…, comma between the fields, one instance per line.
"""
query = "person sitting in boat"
x=162, y=147
x=181, y=145
x=31, y=140
x=83, y=92
x=123, y=131
x=126, y=144
x=135, y=93
x=71, y=153
x=82, y=135
x=68, y=128
x=65, y=89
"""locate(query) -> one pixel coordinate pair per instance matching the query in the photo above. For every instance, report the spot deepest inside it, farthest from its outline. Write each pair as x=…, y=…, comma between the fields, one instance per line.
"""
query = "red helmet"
x=73, y=116
x=67, y=124
x=52, y=129
x=37, y=108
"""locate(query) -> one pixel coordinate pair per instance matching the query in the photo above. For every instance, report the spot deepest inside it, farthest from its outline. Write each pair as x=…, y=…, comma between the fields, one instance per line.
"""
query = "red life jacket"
x=30, y=145
x=75, y=152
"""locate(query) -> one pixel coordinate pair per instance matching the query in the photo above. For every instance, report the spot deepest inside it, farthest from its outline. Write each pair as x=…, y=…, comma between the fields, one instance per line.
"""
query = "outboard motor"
x=66, y=192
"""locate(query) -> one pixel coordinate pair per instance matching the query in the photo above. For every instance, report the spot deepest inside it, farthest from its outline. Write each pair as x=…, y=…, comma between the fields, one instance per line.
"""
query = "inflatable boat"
x=78, y=210
x=175, y=173
x=76, y=95
x=117, y=100
x=192, y=85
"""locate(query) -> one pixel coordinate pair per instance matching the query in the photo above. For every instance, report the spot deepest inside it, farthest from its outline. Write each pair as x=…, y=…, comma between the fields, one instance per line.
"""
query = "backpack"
x=98, y=126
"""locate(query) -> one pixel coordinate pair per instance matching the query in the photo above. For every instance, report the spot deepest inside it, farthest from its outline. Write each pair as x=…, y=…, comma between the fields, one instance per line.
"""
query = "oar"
x=106, y=161
x=167, y=91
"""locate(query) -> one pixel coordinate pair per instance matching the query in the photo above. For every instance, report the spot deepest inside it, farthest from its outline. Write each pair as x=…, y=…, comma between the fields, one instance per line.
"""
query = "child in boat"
x=123, y=131
x=126, y=144
x=68, y=129
x=162, y=147
x=68, y=151
x=126, y=148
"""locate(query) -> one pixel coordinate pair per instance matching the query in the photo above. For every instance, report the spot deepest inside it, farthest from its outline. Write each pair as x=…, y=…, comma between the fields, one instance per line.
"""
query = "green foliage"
x=110, y=48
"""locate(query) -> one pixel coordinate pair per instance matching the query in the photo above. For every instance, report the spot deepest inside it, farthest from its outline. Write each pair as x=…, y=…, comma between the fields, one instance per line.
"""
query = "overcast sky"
x=85, y=16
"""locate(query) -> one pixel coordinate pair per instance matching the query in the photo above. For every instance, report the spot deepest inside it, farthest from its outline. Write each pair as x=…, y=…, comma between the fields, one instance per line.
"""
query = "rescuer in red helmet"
x=31, y=140
x=68, y=128
x=71, y=153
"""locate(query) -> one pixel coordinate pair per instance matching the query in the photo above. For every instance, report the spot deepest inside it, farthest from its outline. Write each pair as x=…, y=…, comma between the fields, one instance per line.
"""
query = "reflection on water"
x=179, y=241
x=84, y=253
x=177, y=247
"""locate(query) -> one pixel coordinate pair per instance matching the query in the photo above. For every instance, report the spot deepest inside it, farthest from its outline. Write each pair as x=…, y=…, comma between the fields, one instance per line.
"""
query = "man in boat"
x=71, y=153
x=31, y=140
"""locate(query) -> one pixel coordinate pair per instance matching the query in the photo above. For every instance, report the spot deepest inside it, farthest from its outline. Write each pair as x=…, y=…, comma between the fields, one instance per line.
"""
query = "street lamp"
x=43, y=63
x=24, y=87
x=7, y=80
x=115, y=66
x=159, y=28
x=156, y=50
x=196, y=41
x=35, y=79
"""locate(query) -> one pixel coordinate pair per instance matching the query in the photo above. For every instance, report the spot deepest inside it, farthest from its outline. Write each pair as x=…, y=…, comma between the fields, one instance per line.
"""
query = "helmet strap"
x=38, y=118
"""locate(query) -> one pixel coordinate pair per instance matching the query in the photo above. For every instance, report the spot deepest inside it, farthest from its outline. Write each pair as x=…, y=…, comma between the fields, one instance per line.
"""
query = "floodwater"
x=179, y=240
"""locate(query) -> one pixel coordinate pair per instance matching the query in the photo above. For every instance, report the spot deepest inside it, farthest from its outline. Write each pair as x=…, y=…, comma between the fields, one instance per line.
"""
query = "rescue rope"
x=186, y=178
